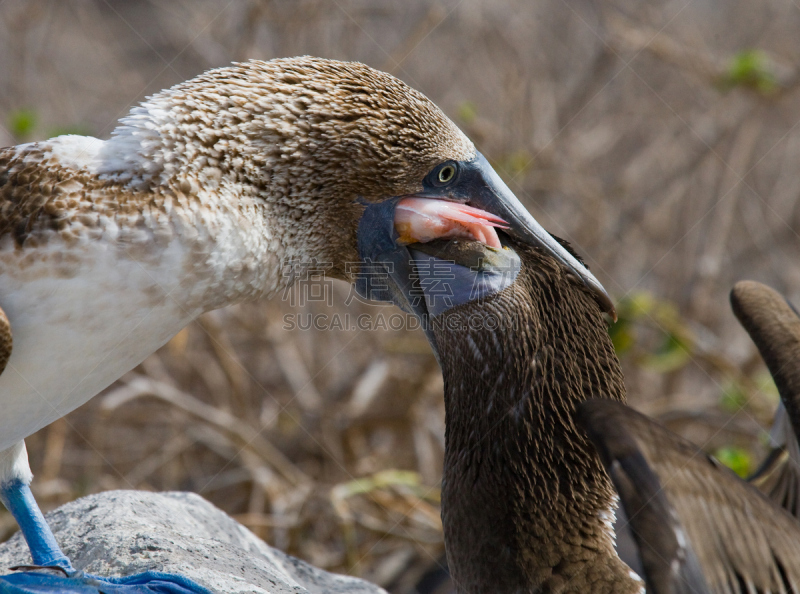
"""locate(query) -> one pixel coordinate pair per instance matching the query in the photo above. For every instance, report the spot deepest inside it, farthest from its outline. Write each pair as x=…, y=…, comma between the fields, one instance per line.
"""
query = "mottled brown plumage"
x=526, y=504
x=281, y=148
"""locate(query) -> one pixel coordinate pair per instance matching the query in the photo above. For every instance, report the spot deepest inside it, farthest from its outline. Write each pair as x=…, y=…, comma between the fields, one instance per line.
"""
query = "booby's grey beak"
x=476, y=184
x=479, y=185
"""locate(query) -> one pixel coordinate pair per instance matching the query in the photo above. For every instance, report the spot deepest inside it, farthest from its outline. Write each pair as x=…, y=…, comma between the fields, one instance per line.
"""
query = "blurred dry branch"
x=660, y=138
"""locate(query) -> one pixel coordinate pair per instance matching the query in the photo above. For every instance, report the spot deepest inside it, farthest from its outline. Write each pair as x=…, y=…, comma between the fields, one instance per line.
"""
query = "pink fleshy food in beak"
x=425, y=219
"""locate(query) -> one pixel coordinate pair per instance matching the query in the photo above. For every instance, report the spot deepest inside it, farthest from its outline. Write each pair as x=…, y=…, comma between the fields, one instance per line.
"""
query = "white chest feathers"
x=75, y=335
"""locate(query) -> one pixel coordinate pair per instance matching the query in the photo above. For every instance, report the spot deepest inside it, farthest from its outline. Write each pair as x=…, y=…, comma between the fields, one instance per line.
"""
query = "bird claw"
x=37, y=567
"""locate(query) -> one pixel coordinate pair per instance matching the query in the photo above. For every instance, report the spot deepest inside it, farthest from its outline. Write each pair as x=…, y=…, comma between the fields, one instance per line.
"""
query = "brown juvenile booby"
x=527, y=502
x=202, y=193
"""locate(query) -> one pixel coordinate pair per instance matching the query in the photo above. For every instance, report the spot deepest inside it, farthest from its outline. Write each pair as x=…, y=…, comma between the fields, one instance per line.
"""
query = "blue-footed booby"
x=109, y=247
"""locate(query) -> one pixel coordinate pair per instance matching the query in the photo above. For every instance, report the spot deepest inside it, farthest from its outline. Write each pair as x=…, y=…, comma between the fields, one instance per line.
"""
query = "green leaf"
x=622, y=336
x=766, y=385
x=734, y=398
x=383, y=479
x=751, y=68
x=636, y=305
x=671, y=355
x=78, y=129
x=737, y=459
x=517, y=163
x=21, y=123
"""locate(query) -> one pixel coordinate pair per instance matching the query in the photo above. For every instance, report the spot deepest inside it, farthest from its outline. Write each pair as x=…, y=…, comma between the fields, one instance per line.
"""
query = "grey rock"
x=123, y=532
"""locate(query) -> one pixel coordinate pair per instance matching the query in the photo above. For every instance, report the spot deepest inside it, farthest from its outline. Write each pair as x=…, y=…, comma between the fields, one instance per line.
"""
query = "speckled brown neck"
x=526, y=504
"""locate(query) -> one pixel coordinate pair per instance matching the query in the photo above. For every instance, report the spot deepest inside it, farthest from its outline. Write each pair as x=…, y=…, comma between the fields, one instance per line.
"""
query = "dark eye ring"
x=446, y=174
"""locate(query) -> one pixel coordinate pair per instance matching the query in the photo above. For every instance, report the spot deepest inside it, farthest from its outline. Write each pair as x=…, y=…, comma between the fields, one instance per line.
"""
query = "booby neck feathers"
x=526, y=503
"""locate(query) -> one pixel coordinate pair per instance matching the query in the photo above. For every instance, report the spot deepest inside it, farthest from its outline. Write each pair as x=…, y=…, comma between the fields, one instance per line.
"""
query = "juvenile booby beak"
x=383, y=233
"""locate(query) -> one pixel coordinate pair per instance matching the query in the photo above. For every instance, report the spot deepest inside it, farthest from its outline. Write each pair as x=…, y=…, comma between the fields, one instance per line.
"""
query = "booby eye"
x=445, y=174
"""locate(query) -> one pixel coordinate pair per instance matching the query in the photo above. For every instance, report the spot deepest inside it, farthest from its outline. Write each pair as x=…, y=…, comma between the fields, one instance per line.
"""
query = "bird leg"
x=18, y=499
x=15, y=475
x=15, y=494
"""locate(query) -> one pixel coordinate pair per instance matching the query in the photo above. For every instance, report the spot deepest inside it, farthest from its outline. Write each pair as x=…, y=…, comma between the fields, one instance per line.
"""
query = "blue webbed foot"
x=52, y=571
x=149, y=582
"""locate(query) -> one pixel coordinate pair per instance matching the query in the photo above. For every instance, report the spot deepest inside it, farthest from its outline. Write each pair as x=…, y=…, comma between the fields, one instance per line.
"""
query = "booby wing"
x=698, y=526
x=778, y=477
x=774, y=326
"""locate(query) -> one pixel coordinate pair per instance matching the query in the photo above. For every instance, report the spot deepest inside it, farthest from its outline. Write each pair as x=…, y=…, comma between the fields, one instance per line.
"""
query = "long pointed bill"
x=480, y=186
x=473, y=207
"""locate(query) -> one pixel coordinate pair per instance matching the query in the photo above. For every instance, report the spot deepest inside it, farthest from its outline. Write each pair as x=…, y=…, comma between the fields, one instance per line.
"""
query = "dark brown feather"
x=526, y=505
x=525, y=500
x=775, y=329
x=778, y=477
x=741, y=540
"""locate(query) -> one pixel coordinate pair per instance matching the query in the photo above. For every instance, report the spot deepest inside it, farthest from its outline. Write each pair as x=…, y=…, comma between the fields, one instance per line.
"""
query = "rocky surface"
x=124, y=532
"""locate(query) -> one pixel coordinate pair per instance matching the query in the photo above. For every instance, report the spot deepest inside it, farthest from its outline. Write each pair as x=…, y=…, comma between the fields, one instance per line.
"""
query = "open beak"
x=478, y=201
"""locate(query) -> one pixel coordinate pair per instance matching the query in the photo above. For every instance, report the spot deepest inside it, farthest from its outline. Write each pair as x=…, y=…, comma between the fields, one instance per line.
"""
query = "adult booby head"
x=311, y=155
x=331, y=148
x=325, y=142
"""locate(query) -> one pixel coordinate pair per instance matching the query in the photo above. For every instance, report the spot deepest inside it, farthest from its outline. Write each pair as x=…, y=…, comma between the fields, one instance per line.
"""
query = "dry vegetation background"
x=660, y=138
